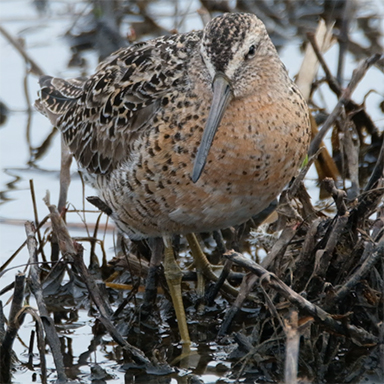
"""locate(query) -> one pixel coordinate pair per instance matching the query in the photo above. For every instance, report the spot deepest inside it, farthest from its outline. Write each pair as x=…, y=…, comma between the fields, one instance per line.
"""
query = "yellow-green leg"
x=173, y=276
x=201, y=263
x=149, y=299
x=203, y=266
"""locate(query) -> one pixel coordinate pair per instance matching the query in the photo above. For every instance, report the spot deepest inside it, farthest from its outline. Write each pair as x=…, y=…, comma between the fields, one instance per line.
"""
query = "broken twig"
x=316, y=312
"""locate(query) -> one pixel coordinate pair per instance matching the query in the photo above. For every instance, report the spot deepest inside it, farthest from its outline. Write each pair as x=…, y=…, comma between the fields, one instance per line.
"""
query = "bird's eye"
x=251, y=52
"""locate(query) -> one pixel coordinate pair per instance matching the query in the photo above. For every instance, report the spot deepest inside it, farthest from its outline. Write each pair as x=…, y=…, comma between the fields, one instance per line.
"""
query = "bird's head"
x=234, y=49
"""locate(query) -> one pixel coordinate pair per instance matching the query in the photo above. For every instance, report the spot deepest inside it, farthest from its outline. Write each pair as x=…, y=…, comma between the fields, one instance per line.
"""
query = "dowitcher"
x=185, y=133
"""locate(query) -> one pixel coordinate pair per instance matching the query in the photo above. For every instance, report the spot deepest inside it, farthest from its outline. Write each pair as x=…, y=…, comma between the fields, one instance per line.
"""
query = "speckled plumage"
x=135, y=127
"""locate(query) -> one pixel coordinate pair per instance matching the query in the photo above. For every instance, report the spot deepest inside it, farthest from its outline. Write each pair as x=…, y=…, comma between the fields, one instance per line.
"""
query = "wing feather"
x=102, y=115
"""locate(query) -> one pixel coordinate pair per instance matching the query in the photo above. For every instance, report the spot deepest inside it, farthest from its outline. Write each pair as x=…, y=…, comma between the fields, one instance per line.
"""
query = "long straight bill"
x=221, y=97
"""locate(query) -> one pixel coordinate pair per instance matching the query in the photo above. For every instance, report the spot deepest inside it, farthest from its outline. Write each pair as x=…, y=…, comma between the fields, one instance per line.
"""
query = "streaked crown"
x=236, y=45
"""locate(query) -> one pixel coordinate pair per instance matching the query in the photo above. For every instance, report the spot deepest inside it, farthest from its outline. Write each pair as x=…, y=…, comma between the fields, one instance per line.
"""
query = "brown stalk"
x=322, y=317
x=358, y=74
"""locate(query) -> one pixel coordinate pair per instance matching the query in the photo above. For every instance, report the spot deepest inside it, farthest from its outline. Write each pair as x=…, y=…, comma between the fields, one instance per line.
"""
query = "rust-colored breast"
x=256, y=151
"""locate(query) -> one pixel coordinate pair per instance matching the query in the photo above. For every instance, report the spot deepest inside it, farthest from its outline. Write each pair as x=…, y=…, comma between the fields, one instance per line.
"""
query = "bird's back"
x=101, y=116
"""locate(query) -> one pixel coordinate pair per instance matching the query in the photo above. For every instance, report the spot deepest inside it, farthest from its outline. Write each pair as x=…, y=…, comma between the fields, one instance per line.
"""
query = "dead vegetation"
x=310, y=311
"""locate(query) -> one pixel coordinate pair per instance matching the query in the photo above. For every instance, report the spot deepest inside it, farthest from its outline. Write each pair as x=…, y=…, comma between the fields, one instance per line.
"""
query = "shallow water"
x=44, y=42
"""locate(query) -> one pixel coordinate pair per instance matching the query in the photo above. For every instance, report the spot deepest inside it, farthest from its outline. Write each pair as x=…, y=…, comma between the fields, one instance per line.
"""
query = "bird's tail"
x=57, y=96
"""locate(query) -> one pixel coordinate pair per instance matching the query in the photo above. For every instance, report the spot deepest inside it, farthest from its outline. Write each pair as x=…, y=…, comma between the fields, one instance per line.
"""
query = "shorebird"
x=185, y=133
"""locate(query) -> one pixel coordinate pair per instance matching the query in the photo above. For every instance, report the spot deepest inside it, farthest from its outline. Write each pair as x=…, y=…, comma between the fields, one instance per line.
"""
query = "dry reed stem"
x=37, y=290
x=11, y=332
x=322, y=317
x=358, y=74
